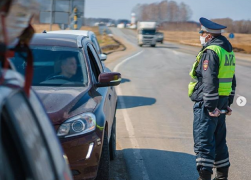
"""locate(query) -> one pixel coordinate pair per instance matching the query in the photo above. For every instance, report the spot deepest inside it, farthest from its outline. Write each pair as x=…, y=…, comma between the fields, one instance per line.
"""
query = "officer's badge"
x=205, y=65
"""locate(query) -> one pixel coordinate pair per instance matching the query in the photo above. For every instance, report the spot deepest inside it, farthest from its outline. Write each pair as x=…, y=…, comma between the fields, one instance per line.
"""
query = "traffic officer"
x=212, y=88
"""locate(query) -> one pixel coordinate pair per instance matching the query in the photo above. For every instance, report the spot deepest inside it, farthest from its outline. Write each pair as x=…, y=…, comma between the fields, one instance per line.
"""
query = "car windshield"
x=54, y=66
x=148, y=32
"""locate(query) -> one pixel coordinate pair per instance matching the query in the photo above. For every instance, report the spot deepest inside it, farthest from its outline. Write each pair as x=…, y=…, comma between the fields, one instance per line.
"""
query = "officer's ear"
x=209, y=37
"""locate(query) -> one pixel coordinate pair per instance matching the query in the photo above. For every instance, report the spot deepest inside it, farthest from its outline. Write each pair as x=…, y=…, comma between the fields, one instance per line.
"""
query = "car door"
x=97, y=68
x=113, y=101
x=24, y=146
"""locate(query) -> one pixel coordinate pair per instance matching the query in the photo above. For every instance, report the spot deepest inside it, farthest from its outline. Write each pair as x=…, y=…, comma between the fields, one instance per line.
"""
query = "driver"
x=68, y=67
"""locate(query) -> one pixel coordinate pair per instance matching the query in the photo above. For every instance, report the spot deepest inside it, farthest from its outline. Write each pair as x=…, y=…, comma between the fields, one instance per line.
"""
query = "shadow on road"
x=124, y=80
x=134, y=101
x=160, y=164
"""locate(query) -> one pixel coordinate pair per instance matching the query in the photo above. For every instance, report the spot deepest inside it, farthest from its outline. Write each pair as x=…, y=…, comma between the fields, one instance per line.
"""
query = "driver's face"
x=69, y=68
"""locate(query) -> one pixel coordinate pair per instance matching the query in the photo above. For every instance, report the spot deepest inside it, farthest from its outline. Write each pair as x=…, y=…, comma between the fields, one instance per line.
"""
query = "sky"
x=211, y=9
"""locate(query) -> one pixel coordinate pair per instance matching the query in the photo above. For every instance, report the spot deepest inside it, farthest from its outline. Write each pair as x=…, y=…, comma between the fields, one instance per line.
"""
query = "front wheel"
x=153, y=45
x=104, y=162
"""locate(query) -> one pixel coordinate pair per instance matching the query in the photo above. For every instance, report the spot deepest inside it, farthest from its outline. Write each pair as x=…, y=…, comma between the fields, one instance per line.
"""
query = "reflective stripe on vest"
x=226, y=70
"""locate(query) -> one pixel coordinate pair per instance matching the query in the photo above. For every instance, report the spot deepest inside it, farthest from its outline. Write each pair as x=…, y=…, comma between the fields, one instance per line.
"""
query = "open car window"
x=96, y=44
x=55, y=66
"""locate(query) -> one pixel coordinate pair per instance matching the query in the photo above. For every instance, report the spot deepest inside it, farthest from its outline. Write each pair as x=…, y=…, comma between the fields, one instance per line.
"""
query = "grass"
x=241, y=42
x=106, y=43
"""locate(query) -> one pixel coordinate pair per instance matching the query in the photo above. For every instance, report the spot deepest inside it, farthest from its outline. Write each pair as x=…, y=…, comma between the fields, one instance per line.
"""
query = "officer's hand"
x=215, y=113
x=229, y=111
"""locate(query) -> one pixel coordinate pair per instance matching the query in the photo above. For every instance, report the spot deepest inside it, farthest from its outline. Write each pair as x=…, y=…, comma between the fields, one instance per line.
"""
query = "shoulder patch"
x=205, y=65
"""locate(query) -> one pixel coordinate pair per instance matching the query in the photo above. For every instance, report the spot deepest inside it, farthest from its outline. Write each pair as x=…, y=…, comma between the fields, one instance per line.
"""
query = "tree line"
x=164, y=11
x=174, y=16
x=241, y=26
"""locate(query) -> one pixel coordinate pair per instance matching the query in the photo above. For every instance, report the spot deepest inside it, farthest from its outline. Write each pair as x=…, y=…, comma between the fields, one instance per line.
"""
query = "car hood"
x=61, y=103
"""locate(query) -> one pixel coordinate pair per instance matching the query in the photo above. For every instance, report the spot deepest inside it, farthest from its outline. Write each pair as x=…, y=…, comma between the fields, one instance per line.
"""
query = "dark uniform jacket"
x=207, y=88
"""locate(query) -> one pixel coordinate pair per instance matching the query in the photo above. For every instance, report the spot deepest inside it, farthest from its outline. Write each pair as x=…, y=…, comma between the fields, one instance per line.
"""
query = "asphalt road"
x=154, y=116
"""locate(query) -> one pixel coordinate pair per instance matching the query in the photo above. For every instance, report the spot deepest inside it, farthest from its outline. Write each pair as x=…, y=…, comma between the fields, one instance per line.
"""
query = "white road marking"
x=175, y=52
x=127, y=59
x=129, y=127
x=179, y=53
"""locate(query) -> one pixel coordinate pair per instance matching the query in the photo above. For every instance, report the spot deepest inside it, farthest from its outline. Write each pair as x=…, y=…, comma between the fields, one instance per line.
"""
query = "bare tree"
x=185, y=12
x=172, y=11
x=163, y=11
x=242, y=26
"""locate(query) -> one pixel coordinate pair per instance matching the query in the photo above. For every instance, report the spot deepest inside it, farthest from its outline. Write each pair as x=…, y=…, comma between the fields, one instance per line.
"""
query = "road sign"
x=59, y=11
x=231, y=36
x=58, y=17
x=63, y=26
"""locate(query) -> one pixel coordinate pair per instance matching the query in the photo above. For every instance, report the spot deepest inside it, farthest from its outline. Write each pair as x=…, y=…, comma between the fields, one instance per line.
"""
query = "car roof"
x=76, y=32
x=67, y=40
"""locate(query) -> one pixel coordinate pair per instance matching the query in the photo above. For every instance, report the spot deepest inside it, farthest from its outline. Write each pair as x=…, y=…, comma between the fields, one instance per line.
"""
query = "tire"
x=112, y=144
x=140, y=45
x=153, y=45
x=104, y=162
x=161, y=42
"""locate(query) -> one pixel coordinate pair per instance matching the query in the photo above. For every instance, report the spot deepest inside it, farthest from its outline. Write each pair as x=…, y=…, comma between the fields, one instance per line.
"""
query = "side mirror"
x=103, y=57
x=109, y=79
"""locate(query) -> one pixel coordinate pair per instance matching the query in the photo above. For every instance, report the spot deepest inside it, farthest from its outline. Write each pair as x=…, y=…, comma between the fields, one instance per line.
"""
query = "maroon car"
x=79, y=98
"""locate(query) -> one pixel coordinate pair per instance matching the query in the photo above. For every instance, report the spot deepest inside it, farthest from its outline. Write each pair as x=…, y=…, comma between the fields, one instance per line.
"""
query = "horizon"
x=104, y=9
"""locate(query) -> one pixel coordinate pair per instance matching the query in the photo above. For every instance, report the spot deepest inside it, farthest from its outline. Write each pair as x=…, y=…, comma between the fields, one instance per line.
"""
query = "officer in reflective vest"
x=212, y=88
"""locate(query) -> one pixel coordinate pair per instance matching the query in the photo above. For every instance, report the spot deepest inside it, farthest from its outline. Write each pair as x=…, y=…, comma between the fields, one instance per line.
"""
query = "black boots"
x=221, y=174
x=205, y=175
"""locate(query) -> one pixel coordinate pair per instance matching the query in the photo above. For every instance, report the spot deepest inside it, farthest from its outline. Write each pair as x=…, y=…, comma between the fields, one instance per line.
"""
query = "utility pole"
x=75, y=18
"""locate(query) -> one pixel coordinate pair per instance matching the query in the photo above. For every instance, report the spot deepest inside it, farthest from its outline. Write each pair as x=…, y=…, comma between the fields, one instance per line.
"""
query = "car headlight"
x=77, y=125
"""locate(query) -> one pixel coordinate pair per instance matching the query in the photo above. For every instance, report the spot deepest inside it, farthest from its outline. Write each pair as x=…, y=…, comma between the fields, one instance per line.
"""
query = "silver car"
x=88, y=34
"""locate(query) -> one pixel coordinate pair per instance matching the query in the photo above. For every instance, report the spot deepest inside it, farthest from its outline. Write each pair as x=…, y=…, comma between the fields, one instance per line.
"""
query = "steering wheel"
x=58, y=77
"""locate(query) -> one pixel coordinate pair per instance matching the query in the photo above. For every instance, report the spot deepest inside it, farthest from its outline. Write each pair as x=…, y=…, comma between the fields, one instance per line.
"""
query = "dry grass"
x=241, y=42
x=39, y=28
x=104, y=41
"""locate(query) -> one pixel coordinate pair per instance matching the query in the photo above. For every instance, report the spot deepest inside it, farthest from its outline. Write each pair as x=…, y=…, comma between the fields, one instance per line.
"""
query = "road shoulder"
x=118, y=169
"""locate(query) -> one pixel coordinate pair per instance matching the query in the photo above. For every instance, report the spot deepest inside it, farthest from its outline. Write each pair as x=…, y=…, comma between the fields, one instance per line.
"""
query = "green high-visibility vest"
x=226, y=70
